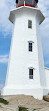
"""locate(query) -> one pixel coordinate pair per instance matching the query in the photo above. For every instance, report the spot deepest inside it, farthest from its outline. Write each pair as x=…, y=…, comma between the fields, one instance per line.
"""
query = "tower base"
x=46, y=91
x=35, y=92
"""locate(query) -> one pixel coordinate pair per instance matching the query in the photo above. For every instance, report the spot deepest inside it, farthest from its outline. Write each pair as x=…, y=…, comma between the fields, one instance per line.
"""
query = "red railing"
x=24, y=4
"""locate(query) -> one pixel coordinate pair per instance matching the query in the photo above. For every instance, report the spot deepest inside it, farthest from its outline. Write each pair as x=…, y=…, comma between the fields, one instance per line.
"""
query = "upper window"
x=29, y=24
x=30, y=73
x=30, y=46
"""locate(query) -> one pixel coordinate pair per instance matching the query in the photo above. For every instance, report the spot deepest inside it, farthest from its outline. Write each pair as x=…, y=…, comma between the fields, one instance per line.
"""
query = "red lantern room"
x=31, y=3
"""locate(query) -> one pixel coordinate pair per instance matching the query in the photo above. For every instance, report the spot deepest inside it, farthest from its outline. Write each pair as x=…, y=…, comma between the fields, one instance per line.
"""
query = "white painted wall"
x=47, y=77
x=46, y=88
x=20, y=59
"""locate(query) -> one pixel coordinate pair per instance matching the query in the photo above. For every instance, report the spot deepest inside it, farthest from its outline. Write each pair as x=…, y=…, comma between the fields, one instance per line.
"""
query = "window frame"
x=30, y=24
x=30, y=50
x=31, y=76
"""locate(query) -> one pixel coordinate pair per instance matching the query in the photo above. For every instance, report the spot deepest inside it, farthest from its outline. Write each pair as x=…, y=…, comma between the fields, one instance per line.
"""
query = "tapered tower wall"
x=20, y=59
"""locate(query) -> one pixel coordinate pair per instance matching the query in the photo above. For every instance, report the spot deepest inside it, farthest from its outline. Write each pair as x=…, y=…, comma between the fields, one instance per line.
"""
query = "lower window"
x=30, y=73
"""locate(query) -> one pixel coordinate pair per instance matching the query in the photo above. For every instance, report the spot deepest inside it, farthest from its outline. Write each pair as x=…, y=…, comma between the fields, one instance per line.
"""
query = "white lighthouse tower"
x=25, y=74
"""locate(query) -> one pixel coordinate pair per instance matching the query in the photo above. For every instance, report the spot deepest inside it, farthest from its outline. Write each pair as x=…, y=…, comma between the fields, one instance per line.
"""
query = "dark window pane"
x=29, y=24
x=30, y=46
x=30, y=73
x=16, y=1
x=30, y=77
x=35, y=3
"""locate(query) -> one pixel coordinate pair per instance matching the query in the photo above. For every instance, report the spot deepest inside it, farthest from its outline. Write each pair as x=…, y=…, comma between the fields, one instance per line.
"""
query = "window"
x=29, y=24
x=30, y=46
x=35, y=4
x=30, y=73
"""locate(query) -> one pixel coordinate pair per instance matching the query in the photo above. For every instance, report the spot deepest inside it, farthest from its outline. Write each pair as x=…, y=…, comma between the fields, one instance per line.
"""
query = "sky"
x=6, y=29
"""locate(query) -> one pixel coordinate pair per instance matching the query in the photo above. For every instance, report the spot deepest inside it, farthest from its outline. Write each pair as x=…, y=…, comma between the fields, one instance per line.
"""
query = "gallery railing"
x=31, y=3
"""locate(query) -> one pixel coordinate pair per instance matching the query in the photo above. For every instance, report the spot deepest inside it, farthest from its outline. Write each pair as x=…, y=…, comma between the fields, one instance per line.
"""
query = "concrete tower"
x=25, y=74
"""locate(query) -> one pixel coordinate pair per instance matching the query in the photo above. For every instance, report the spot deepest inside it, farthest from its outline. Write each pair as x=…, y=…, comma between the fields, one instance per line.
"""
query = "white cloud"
x=1, y=86
x=44, y=7
x=4, y=58
x=5, y=7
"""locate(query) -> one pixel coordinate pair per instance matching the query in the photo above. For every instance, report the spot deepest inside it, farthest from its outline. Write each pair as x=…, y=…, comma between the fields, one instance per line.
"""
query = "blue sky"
x=6, y=28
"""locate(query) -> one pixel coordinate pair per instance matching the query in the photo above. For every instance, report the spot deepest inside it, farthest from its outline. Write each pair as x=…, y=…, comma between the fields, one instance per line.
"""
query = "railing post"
x=24, y=2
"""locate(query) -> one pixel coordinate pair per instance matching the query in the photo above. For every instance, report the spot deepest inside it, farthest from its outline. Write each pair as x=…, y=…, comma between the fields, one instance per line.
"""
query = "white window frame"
x=31, y=75
x=32, y=46
x=30, y=24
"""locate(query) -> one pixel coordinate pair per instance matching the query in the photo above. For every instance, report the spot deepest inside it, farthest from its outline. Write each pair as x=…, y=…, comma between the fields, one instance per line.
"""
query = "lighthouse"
x=25, y=73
